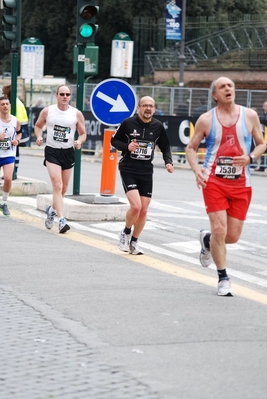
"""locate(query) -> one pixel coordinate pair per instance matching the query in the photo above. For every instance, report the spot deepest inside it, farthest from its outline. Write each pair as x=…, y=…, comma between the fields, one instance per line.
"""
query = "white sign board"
x=32, y=61
x=121, y=58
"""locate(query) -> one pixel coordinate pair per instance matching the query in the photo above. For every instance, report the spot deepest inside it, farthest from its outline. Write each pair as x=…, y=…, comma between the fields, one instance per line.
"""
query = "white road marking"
x=263, y=273
x=186, y=247
x=194, y=246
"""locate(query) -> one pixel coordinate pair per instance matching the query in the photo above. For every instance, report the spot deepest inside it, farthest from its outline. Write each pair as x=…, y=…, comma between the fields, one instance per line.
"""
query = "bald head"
x=219, y=81
x=146, y=100
x=223, y=89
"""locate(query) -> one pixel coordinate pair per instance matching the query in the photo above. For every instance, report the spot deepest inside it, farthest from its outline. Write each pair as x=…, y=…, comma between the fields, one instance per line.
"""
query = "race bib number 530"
x=225, y=169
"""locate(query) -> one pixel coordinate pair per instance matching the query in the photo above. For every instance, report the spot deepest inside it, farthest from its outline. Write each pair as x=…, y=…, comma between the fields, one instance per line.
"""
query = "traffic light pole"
x=79, y=104
x=13, y=94
x=14, y=77
x=86, y=30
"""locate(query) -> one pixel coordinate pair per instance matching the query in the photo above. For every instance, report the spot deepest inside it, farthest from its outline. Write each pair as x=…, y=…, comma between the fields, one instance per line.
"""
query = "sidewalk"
x=42, y=358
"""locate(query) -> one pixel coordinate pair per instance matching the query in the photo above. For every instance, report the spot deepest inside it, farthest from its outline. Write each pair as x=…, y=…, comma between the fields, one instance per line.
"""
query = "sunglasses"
x=64, y=94
x=146, y=106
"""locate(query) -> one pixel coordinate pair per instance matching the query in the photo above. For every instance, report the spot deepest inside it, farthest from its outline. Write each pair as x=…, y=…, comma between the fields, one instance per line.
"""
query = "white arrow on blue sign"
x=113, y=100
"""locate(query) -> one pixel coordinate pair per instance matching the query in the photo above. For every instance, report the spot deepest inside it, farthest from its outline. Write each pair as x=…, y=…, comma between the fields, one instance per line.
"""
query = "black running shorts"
x=60, y=156
x=142, y=183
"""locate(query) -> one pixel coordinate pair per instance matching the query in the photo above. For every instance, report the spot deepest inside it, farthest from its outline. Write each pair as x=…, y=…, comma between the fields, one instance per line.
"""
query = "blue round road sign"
x=112, y=101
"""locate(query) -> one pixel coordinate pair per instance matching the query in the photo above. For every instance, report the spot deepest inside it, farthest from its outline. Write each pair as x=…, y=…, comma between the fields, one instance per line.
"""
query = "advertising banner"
x=174, y=19
x=178, y=128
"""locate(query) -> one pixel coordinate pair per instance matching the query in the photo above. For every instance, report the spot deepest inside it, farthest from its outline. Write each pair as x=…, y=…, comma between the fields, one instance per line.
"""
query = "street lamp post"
x=182, y=55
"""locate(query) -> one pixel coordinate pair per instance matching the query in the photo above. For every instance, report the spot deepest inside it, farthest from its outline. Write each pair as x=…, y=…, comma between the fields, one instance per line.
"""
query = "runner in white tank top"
x=10, y=135
x=61, y=120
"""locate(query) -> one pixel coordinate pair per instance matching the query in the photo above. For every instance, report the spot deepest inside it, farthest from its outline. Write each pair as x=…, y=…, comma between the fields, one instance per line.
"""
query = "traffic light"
x=86, y=27
x=12, y=23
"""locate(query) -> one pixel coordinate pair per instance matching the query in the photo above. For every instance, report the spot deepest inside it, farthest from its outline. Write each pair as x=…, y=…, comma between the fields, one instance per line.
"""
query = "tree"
x=196, y=8
x=217, y=8
x=54, y=24
x=117, y=16
x=237, y=8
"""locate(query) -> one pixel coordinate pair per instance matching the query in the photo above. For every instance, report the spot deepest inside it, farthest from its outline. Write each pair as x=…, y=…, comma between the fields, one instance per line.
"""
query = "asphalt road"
x=80, y=319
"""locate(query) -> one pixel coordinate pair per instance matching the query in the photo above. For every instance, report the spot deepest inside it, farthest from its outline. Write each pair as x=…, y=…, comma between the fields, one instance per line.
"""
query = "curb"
x=81, y=211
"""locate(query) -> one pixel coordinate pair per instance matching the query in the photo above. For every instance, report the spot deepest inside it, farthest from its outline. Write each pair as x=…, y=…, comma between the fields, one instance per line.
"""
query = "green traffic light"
x=86, y=27
x=86, y=30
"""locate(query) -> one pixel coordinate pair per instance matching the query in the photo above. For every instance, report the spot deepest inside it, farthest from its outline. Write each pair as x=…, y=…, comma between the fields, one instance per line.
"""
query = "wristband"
x=252, y=158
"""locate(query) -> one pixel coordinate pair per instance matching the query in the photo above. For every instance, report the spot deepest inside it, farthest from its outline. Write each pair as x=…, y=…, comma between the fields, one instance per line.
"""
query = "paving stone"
x=39, y=361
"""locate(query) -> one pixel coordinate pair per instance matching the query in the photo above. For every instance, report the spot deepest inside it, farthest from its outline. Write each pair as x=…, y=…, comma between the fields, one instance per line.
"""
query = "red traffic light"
x=88, y=12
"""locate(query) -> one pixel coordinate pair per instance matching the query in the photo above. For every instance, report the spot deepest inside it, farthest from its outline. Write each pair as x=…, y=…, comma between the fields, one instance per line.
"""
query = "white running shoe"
x=124, y=241
x=63, y=226
x=134, y=249
x=224, y=288
x=49, y=221
x=205, y=255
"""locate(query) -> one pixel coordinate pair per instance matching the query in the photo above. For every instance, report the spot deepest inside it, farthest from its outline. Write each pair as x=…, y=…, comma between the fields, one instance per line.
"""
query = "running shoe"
x=49, y=222
x=124, y=241
x=63, y=226
x=4, y=209
x=205, y=255
x=224, y=288
x=134, y=248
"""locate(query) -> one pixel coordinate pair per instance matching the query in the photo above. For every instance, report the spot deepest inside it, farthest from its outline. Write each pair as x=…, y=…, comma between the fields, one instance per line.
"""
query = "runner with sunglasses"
x=61, y=120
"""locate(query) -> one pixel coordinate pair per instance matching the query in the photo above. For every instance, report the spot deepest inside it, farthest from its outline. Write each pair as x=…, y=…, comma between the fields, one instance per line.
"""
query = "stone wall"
x=254, y=80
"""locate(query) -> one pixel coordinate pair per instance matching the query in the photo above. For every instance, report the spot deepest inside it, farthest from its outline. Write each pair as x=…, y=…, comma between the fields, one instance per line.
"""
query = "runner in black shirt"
x=137, y=138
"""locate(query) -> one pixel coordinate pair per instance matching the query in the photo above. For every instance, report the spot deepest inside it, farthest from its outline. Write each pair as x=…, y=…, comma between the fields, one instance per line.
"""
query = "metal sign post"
x=79, y=104
x=111, y=101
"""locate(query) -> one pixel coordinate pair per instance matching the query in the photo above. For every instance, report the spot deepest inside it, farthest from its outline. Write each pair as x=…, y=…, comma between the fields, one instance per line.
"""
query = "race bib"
x=225, y=169
x=144, y=151
x=61, y=133
x=5, y=144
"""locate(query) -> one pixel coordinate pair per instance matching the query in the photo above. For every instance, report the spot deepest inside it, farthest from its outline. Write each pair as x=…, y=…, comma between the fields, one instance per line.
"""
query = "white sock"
x=5, y=197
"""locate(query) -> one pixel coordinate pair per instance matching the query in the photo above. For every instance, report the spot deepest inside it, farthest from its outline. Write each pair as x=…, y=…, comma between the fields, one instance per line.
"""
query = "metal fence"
x=242, y=45
x=180, y=101
x=170, y=101
x=183, y=101
x=239, y=41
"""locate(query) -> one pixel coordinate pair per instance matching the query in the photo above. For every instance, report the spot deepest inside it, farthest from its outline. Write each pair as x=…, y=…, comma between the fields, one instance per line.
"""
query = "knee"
x=219, y=232
x=136, y=208
x=7, y=180
x=57, y=185
x=232, y=237
x=143, y=212
x=64, y=190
